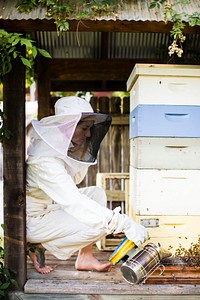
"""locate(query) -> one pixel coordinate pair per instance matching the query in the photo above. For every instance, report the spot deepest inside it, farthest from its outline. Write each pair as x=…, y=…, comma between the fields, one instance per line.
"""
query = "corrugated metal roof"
x=120, y=45
x=130, y=45
x=137, y=10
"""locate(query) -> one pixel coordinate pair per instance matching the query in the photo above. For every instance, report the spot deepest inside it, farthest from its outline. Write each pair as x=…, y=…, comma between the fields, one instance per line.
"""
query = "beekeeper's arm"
x=51, y=176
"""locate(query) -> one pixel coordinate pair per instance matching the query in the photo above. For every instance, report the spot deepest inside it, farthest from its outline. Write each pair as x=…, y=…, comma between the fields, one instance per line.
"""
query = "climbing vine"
x=7, y=275
x=61, y=9
x=9, y=50
x=179, y=21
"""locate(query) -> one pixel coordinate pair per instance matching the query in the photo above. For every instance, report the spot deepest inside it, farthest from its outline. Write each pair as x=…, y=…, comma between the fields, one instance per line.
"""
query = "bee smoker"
x=144, y=262
x=138, y=262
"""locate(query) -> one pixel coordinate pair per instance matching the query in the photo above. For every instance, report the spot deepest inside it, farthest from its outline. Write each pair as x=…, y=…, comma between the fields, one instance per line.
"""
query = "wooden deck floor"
x=65, y=282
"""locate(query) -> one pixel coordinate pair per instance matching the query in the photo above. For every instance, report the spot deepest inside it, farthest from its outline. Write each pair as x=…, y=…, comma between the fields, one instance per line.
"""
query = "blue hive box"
x=165, y=121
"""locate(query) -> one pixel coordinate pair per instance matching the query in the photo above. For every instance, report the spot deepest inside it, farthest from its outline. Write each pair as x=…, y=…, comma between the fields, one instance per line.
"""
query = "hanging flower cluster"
x=179, y=21
x=175, y=48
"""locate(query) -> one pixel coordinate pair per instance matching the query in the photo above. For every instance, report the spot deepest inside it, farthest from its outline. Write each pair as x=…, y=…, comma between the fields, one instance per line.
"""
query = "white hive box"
x=164, y=192
x=164, y=84
x=172, y=230
x=165, y=153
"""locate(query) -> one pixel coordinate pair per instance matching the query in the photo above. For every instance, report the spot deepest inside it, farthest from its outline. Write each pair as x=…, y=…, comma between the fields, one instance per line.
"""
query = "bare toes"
x=45, y=270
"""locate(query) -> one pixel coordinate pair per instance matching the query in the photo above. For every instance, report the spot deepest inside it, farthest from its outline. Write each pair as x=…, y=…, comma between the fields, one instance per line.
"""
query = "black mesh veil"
x=88, y=152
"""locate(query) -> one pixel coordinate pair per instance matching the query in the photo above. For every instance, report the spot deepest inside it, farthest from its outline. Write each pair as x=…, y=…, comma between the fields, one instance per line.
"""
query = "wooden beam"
x=93, y=26
x=87, y=85
x=14, y=173
x=93, y=69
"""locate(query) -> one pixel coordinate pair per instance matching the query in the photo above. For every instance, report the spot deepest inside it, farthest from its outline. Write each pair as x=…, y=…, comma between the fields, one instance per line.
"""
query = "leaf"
x=34, y=51
x=6, y=272
x=14, y=54
x=15, y=42
x=5, y=285
x=11, y=49
x=7, y=133
x=2, y=293
x=26, y=42
x=26, y=62
x=3, y=32
x=7, y=67
x=152, y=5
x=44, y=53
x=62, y=25
x=14, y=282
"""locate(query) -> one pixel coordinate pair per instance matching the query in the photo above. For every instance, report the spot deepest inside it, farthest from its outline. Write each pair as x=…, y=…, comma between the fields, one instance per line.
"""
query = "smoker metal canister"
x=138, y=268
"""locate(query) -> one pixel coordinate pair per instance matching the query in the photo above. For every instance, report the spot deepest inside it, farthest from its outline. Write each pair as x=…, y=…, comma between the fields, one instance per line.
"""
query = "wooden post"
x=44, y=88
x=14, y=173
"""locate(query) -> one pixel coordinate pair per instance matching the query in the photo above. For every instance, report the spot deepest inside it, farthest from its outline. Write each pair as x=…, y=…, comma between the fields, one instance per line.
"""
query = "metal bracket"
x=149, y=222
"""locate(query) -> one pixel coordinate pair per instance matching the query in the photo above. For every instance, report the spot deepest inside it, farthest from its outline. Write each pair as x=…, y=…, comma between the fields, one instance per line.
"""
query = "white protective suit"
x=60, y=216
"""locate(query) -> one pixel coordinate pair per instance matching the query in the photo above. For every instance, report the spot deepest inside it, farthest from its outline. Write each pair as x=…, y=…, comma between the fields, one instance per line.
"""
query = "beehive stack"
x=165, y=151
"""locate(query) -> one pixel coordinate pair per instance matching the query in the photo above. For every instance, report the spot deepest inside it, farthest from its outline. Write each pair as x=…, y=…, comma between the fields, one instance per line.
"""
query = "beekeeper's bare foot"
x=37, y=256
x=87, y=262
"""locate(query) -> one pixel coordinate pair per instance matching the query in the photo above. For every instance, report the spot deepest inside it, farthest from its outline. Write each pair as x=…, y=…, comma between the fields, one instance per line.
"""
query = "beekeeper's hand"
x=136, y=232
x=133, y=231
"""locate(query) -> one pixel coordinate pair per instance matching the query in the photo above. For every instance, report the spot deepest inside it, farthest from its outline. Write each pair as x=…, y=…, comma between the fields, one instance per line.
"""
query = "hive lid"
x=161, y=70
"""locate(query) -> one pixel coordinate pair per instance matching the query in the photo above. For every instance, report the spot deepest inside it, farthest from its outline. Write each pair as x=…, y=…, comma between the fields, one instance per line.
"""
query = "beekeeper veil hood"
x=58, y=131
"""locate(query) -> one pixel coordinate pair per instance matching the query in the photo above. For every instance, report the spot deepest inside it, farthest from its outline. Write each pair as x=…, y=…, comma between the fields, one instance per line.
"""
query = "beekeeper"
x=61, y=217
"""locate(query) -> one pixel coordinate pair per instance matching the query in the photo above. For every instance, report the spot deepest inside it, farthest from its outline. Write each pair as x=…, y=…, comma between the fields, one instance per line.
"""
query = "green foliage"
x=9, y=50
x=179, y=21
x=5, y=133
x=60, y=10
x=7, y=275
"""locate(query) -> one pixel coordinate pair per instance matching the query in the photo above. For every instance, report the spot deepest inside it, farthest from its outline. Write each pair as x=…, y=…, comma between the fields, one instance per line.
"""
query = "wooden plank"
x=125, y=144
x=110, y=287
x=16, y=295
x=120, y=120
x=116, y=105
x=116, y=148
x=113, y=175
x=21, y=296
x=104, y=155
x=126, y=105
x=71, y=273
x=150, y=297
x=176, y=275
x=103, y=105
x=115, y=195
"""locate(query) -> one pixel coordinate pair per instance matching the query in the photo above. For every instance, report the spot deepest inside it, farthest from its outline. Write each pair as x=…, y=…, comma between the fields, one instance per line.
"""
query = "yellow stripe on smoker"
x=121, y=252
